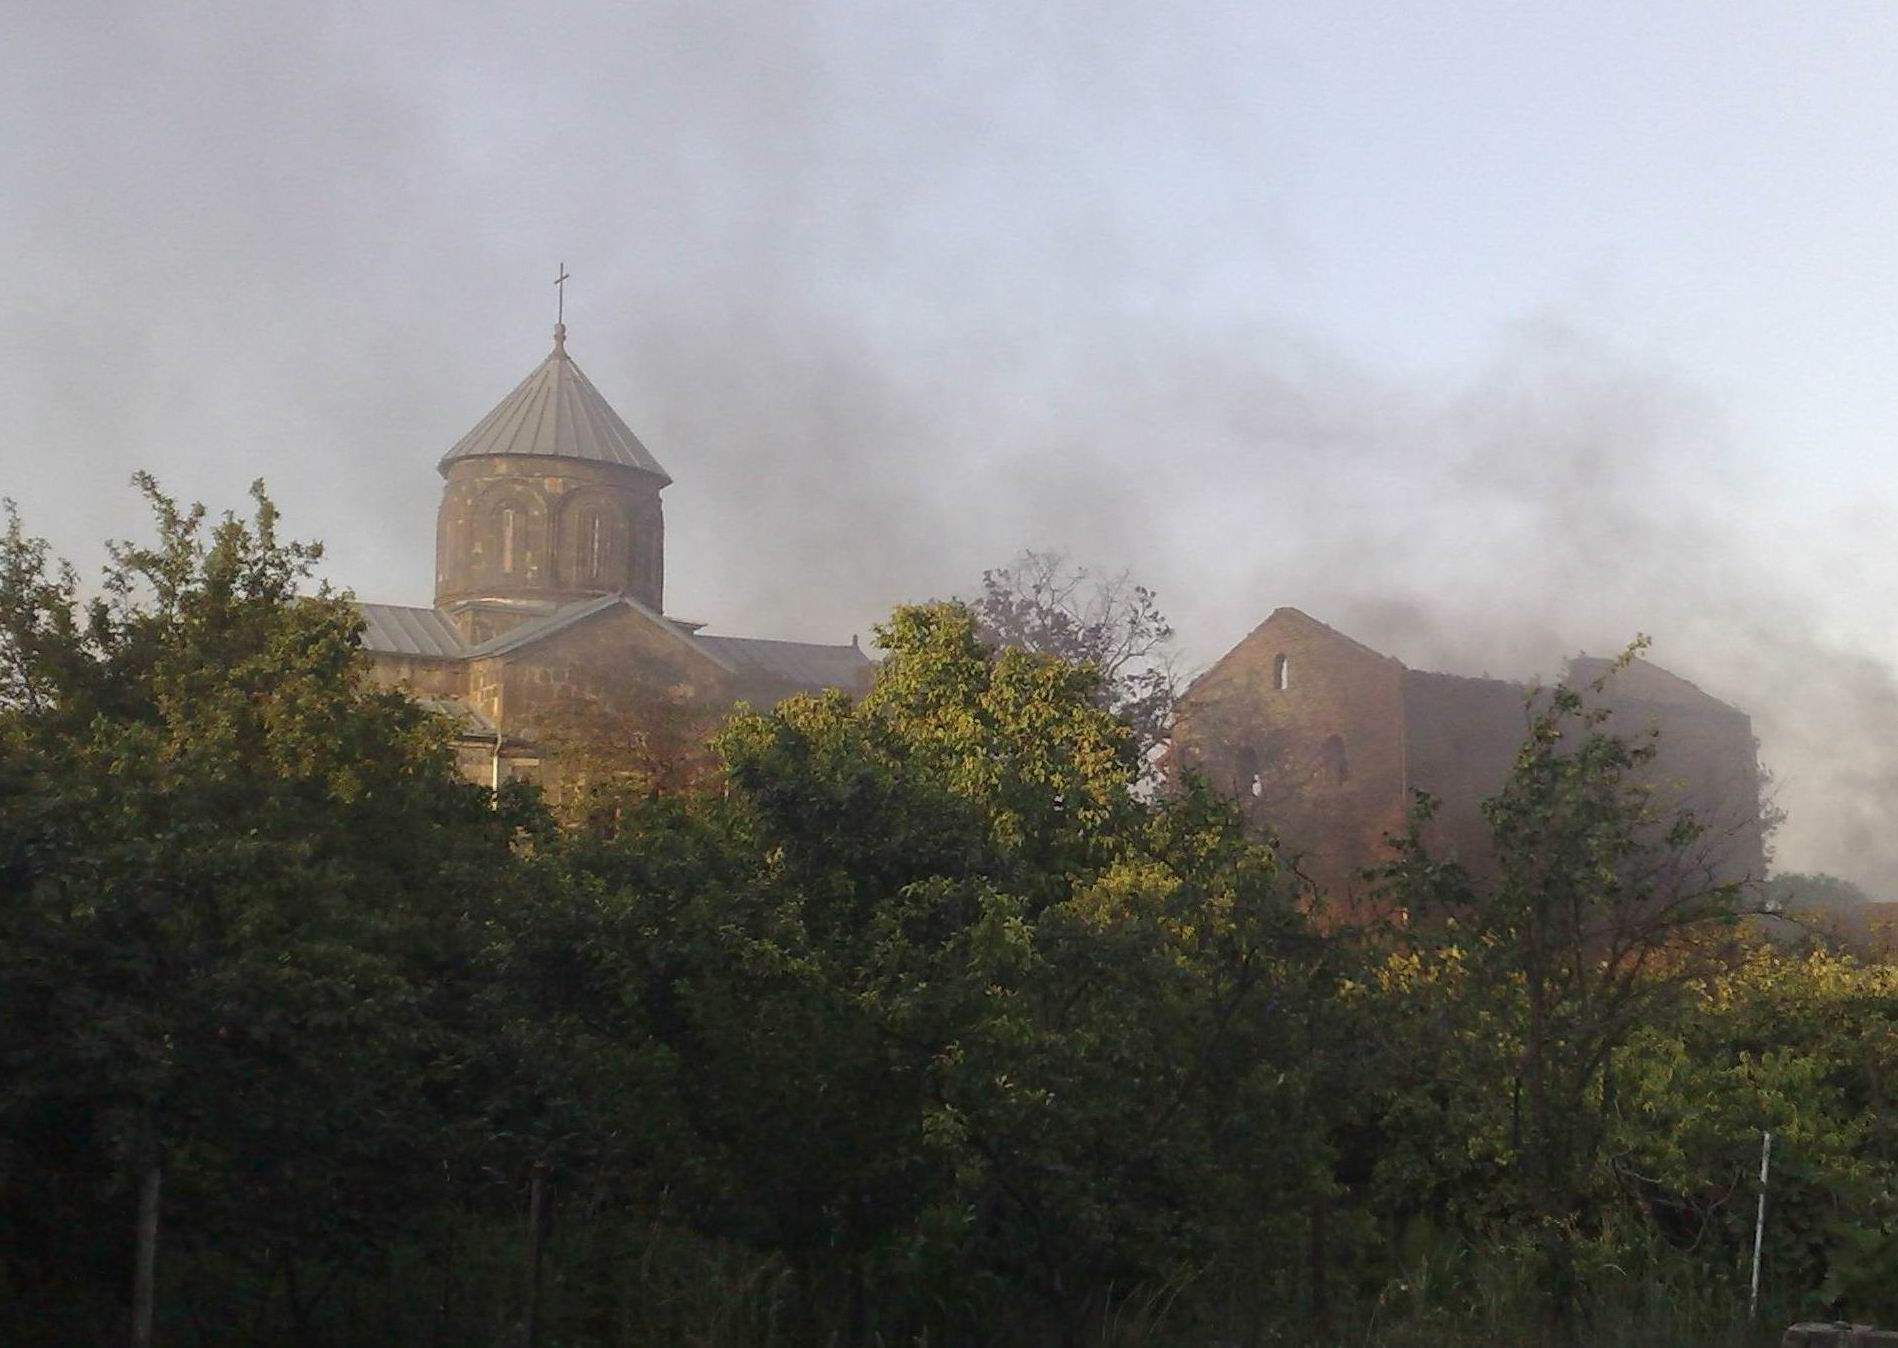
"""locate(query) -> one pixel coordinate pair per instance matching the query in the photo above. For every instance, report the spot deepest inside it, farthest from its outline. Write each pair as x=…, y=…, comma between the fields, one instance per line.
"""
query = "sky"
x=1488, y=333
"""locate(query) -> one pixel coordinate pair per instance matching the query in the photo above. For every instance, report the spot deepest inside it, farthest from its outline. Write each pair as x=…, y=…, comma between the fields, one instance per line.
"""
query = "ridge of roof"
x=839, y=646
x=570, y=615
x=525, y=634
x=1286, y=610
x=806, y=664
x=556, y=413
x=402, y=629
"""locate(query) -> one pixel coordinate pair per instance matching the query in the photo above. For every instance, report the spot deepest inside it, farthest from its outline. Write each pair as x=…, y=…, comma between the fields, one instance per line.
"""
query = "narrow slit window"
x=507, y=541
x=593, y=550
x=1335, y=764
x=1282, y=673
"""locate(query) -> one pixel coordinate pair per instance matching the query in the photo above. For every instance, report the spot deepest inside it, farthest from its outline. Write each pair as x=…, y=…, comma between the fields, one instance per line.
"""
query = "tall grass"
x=633, y=1281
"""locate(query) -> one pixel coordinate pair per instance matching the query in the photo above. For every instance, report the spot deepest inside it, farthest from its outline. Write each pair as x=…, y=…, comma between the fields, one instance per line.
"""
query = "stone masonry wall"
x=420, y=675
x=614, y=659
x=579, y=528
x=1461, y=736
x=1320, y=761
x=1322, y=740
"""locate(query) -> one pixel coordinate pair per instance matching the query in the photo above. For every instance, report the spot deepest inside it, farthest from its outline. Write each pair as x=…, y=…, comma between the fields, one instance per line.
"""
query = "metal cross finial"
x=560, y=285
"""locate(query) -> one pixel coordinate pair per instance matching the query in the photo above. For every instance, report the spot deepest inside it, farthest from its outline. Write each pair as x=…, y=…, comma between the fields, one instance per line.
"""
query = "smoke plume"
x=892, y=293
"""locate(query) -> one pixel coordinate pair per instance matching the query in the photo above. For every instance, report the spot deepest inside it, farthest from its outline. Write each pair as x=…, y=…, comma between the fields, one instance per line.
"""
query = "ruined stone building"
x=550, y=587
x=1324, y=740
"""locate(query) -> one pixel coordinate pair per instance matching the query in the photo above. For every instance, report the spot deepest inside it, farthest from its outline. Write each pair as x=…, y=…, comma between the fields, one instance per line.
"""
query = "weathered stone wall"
x=487, y=686
x=542, y=530
x=1325, y=749
x=615, y=659
x=1461, y=736
x=1319, y=760
x=479, y=622
x=1705, y=762
x=421, y=675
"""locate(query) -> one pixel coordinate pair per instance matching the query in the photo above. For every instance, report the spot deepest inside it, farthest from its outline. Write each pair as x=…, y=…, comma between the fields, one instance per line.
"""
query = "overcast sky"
x=1486, y=332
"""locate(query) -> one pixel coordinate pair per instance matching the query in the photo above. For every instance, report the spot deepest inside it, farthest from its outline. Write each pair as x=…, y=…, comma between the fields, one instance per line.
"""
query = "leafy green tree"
x=233, y=880
x=1803, y=1046
x=1597, y=917
x=953, y=1010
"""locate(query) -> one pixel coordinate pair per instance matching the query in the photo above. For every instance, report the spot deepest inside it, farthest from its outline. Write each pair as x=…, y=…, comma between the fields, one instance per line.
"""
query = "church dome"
x=551, y=499
x=556, y=413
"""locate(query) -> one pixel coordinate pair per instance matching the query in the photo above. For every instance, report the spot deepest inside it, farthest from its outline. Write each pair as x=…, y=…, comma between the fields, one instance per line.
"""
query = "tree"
x=1793, y=892
x=1047, y=604
x=234, y=877
x=646, y=742
x=1803, y=1046
x=1599, y=915
x=956, y=1013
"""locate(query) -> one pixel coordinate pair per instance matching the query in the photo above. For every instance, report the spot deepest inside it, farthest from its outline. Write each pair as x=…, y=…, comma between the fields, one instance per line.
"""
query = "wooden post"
x=145, y=1268
x=536, y=1233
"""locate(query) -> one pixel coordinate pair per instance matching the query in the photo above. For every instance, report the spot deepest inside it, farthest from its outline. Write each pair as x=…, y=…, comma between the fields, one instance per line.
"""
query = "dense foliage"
x=916, y=1018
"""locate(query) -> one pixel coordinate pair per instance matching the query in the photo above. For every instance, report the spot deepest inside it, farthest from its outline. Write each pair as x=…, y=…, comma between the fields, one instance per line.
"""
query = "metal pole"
x=144, y=1268
x=1759, y=1224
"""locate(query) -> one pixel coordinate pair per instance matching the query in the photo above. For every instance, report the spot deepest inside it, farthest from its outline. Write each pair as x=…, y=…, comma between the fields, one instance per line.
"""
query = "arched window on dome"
x=509, y=533
x=593, y=544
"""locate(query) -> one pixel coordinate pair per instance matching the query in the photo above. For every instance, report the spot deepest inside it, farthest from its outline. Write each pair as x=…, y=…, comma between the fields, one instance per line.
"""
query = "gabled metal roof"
x=556, y=413
x=468, y=721
x=397, y=629
x=539, y=629
x=803, y=664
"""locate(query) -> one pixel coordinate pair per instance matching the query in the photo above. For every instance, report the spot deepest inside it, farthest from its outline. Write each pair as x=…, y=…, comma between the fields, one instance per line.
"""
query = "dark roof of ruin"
x=556, y=413
x=1644, y=681
x=1640, y=682
x=1431, y=678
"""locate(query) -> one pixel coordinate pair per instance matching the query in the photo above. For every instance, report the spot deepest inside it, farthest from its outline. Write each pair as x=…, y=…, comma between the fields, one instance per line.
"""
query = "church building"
x=550, y=597
x=550, y=587
x=1326, y=742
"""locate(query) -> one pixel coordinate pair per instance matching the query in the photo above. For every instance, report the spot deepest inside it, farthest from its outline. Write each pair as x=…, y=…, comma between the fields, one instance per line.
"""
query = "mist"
x=1486, y=342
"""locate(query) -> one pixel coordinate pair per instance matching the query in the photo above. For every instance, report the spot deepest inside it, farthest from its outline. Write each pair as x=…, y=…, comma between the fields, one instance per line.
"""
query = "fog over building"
x=1326, y=741
x=1484, y=337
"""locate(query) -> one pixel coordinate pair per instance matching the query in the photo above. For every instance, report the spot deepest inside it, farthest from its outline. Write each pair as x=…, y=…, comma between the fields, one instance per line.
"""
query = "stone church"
x=550, y=591
x=550, y=556
x=1324, y=740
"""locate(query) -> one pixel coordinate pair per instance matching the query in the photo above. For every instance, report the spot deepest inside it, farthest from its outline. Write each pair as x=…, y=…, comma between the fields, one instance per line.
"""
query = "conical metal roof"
x=556, y=412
